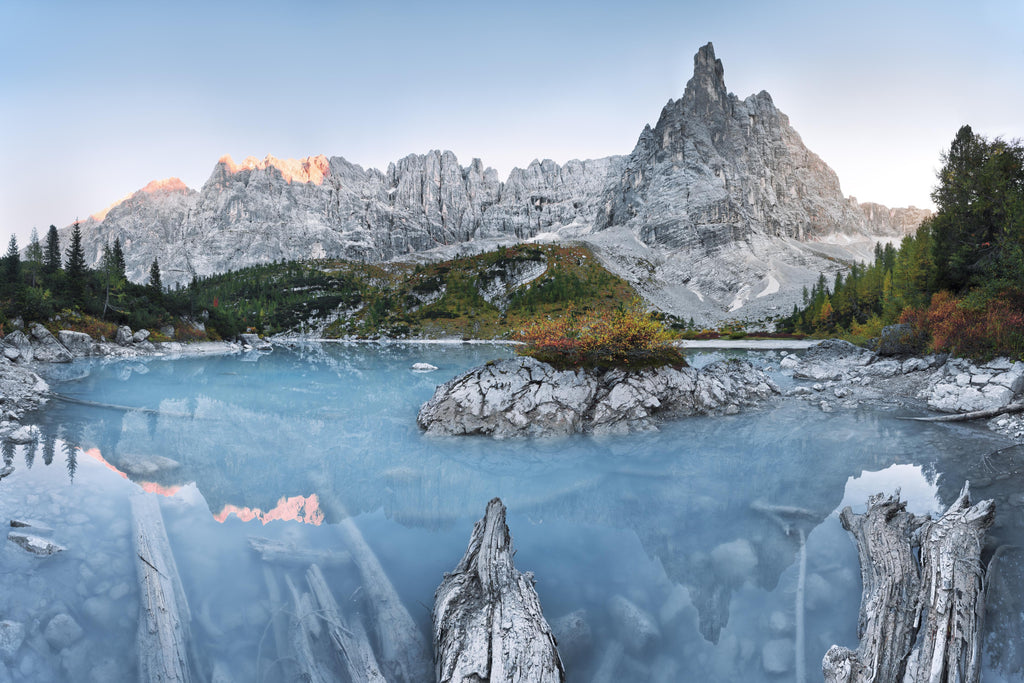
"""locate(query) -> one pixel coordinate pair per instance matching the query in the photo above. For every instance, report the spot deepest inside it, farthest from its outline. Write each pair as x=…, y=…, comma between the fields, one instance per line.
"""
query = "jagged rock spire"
x=706, y=88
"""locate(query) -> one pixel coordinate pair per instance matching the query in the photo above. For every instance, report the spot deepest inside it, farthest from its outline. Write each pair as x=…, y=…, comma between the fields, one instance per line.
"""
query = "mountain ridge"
x=716, y=182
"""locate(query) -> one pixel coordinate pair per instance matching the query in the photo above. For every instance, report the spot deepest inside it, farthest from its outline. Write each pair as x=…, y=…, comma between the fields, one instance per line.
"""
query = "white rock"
x=423, y=367
x=12, y=635
x=62, y=631
x=777, y=656
x=35, y=544
x=634, y=626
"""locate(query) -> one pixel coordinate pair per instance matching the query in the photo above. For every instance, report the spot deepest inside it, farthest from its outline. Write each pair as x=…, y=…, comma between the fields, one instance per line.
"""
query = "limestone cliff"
x=720, y=206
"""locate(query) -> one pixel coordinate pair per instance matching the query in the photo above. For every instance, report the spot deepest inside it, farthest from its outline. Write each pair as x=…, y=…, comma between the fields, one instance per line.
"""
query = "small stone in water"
x=62, y=631
x=35, y=544
x=423, y=367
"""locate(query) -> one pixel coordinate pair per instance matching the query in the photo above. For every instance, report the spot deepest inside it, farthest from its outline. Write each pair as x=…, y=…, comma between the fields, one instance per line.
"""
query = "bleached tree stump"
x=488, y=624
x=914, y=629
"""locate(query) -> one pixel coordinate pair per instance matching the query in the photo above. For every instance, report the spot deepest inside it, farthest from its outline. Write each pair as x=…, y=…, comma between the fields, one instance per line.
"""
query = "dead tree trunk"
x=894, y=644
x=488, y=624
x=164, y=616
x=953, y=593
x=402, y=651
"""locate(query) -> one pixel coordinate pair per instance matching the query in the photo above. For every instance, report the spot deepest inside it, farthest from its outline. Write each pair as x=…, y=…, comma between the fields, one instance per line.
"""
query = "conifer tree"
x=119, y=265
x=12, y=264
x=75, y=265
x=51, y=259
x=34, y=258
x=154, y=278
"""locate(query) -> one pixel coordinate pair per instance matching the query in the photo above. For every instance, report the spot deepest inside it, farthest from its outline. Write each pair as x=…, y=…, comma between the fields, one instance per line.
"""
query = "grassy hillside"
x=488, y=295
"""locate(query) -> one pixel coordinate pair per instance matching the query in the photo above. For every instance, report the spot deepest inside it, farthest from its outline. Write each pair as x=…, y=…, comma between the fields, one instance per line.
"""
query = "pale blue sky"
x=99, y=98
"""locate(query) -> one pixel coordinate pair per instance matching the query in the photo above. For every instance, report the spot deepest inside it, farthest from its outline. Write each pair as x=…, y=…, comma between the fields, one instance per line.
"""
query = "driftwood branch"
x=163, y=632
x=402, y=650
x=488, y=624
x=919, y=621
x=975, y=415
x=348, y=638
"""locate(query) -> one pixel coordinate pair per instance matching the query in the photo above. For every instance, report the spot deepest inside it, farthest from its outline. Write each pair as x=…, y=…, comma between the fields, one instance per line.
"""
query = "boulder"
x=12, y=635
x=901, y=340
x=46, y=348
x=962, y=387
x=831, y=360
x=253, y=341
x=140, y=336
x=124, y=335
x=167, y=331
x=634, y=627
x=19, y=342
x=35, y=544
x=78, y=343
x=62, y=631
x=525, y=397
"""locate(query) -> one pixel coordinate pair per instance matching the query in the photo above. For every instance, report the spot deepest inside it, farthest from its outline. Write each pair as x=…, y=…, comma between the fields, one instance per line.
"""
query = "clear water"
x=287, y=444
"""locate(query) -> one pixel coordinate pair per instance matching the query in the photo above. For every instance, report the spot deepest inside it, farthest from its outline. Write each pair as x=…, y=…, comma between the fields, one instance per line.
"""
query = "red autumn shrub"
x=627, y=337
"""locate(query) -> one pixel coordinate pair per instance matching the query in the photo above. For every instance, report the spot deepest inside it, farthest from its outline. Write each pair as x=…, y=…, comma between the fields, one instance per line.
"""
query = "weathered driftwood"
x=279, y=623
x=303, y=634
x=911, y=629
x=975, y=415
x=401, y=648
x=488, y=624
x=284, y=552
x=164, y=617
x=348, y=637
x=953, y=592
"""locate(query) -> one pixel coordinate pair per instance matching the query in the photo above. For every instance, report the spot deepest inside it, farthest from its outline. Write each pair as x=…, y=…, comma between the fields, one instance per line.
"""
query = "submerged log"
x=348, y=637
x=488, y=624
x=402, y=650
x=919, y=621
x=286, y=552
x=164, y=617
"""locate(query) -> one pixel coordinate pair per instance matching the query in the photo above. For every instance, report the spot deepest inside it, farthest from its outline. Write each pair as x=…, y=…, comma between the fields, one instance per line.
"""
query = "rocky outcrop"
x=20, y=390
x=523, y=397
x=844, y=374
x=960, y=386
x=721, y=189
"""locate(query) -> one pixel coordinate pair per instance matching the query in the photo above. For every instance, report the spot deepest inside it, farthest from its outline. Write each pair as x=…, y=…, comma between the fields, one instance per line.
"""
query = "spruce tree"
x=75, y=265
x=154, y=278
x=34, y=257
x=12, y=264
x=51, y=259
x=119, y=264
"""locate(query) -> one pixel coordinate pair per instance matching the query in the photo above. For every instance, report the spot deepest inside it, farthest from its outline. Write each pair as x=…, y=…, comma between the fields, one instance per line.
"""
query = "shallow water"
x=286, y=445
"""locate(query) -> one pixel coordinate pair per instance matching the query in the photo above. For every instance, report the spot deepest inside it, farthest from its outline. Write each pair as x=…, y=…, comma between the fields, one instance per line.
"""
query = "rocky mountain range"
x=719, y=211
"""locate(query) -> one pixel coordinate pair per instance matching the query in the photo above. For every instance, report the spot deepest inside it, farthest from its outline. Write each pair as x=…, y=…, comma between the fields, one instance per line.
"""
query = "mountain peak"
x=707, y=85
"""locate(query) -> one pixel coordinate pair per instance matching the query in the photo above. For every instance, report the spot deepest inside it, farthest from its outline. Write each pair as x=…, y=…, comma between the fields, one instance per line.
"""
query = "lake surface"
x=287, y=445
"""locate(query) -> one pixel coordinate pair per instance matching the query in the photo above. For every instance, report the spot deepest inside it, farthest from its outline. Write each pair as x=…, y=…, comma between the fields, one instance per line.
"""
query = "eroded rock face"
x=524, y=397
x=716, y=173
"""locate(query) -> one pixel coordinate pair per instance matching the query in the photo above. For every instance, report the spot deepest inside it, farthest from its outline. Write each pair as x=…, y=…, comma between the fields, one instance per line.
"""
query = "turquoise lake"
x=287, y=444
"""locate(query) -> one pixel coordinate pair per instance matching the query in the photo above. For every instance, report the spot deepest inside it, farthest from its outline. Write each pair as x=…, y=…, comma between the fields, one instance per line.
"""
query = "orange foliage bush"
x=977, y=329
x=627, y=337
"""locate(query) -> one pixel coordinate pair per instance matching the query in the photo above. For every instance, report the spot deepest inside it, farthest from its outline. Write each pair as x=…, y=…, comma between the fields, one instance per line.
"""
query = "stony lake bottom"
x=286, y=445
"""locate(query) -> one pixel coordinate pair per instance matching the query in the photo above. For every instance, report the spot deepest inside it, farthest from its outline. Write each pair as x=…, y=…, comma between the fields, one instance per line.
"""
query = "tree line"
x=50, y=280
x=959, y=279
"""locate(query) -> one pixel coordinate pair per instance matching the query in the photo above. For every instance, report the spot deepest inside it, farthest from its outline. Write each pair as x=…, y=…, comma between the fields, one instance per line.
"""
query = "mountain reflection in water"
x=701, y=525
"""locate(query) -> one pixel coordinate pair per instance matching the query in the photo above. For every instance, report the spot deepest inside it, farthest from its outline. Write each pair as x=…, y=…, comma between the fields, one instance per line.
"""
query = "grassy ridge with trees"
x=54, y=287
x=959, y=280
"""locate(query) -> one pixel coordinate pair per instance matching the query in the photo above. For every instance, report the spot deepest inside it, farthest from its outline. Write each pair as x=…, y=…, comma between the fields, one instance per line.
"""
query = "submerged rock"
x=525, y=397
x=62, y=631
x=35, y=544
x=12, y=635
